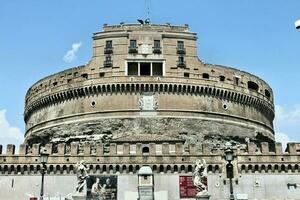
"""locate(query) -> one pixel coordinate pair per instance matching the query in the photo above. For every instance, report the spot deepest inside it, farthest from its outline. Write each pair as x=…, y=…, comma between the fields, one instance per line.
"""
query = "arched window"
x=117, y=168
x=243, y=168
x=268, y=94
x=154, y=168
x=190, y=168
x=182, y=168
x=161, y=168
x=104, y=168
x=175, y=168
x=124, y=168
x=252, y=86
x=130, y=168
x=205, y=75
x=222, y=78
x=145, y=150
x=168, y=168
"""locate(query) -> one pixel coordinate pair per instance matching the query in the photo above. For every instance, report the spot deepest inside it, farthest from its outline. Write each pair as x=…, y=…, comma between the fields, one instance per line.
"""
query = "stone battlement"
x=162, y=158
x=150, y=149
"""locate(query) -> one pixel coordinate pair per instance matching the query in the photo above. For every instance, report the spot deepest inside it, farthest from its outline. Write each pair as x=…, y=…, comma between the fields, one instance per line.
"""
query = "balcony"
x=157, y=50
x=180, y=50
x=108, y=63
x=108, y=50
x=181, y=64
x=132, y=49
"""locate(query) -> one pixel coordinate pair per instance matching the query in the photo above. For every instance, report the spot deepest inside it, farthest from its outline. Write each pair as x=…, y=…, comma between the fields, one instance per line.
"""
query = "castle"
x=145, y=98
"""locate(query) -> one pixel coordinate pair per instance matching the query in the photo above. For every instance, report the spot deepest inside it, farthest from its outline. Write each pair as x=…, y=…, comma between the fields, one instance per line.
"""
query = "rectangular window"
x=101, y=74
x=236, y=80
x=132, y=43
x=133, y=69
x=108, y=58
x=181, y=59
x=157, y=69
x=157, y=44
x=145, y=69
x=180, y=44
x=108, y=44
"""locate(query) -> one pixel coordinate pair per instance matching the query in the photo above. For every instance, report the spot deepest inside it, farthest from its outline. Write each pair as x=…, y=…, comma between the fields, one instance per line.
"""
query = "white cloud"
x=287, y=123
x=8, y=133
x=283, y=138
x=71, y=54
x=288, y=115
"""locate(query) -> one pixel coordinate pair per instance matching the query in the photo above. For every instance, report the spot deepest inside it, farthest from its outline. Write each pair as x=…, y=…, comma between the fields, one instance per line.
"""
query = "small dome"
x=145, y=170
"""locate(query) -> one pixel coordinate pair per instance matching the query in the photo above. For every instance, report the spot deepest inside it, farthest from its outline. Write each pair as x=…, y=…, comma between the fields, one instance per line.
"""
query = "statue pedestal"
x=79, y=196
x=203, y=197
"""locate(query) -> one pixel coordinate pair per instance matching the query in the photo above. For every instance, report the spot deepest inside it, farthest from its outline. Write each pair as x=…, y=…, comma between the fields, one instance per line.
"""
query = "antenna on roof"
x=147, y=4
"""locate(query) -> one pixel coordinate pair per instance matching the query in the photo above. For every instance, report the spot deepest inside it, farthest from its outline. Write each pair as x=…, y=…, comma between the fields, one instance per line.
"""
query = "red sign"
x=186, y=186
x=33, y=198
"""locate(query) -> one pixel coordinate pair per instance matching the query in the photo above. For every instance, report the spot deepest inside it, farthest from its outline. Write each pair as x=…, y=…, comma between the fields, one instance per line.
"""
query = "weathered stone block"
x=165, y=149
x=113, y=149
x=74, y=149
x=61, y=149
x=10, y=149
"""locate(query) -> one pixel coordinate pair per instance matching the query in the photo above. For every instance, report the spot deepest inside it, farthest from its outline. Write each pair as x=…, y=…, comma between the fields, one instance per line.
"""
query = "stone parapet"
x=126, y=160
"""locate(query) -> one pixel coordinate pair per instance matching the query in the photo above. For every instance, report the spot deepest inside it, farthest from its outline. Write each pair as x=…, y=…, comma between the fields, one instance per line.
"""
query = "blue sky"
x=38, y=38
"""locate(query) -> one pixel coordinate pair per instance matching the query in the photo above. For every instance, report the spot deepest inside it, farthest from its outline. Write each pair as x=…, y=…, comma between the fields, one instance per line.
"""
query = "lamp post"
x=43, y=159
x=229, y=169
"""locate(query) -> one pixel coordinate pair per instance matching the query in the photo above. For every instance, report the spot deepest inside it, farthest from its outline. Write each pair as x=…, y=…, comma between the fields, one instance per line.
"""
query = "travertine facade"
x=150, y=72
x=145, y=98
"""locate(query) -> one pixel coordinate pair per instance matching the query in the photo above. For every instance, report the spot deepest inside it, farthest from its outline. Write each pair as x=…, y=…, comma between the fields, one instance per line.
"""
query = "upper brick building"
x=146, y=81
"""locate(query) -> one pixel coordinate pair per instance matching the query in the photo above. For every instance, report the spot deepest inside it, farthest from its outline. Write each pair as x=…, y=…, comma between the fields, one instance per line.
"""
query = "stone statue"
x=200, y=177
x=81, y=176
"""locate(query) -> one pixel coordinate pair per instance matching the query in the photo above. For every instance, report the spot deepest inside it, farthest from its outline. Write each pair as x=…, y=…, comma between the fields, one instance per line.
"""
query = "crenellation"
x=138, y=150
x=22, y=149
x=179, y=149
x=74, y=149
x=35, y=150
x=278, y=148
x=10, y=149
x=265, y=148
x=206, y=150
x=113, y=149
x=165, y=149
x=49, y=148
x=61, y=149
x=193, y=149
x=292, y=148
x=152, y=149
x=87, y=149
x=248, y=162
x=126, y=149
x=99, y=149
x=252, y=148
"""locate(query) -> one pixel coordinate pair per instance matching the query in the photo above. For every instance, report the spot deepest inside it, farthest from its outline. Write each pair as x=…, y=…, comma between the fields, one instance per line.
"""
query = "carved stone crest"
x=148, y=102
